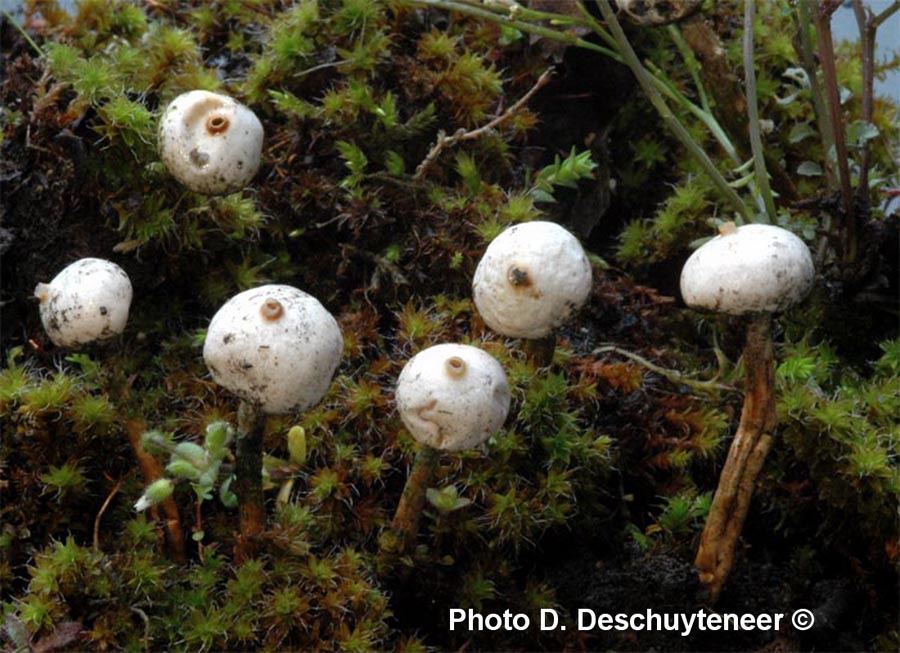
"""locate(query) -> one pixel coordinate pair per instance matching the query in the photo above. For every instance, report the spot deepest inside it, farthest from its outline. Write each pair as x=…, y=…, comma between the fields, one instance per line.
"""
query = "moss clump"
x=606, y=465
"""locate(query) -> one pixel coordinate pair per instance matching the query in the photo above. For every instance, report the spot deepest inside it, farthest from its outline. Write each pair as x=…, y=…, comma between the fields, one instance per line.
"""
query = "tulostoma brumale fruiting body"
x=88, y=300
x=274, y=346
x=452, y=397
x=210, y=142
x=277, y=348
x=754, y=270
x=531, y=279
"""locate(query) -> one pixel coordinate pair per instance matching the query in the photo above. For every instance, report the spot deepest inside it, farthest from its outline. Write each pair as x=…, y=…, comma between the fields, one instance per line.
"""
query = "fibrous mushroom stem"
x=540, y=350
x=153, y=471
x=248, y=480
x=406, y=520
x=748, y=451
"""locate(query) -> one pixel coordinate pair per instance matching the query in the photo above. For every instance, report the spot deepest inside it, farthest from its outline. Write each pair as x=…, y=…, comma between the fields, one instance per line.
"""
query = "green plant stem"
x=674, y=376
x=667, y=88
x=690, y=60
x=803, y=24
x=24, y=34
x=248, y=480
x=500, y=16
x=822, y=17
x=502, y=19
x=645, y=80
x=405, y=524
x=756, y=145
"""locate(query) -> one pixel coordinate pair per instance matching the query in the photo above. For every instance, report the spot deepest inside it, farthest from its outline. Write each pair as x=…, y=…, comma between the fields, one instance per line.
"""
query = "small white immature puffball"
x=275, y=346
x=453, y=397
x=532, y=277
x=756, y=268
x=210, y=142
x=658, y=12
x=87, y=301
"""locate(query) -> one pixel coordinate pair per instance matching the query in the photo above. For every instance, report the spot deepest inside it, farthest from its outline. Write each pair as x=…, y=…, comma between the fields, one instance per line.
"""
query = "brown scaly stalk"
x=748, y=451
x=248, y=480
x=153, y=471
x=405, y=525
x=540, y=350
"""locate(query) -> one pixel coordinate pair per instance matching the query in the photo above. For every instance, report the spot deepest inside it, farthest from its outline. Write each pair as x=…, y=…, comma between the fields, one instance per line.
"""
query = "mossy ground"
x=594, y=493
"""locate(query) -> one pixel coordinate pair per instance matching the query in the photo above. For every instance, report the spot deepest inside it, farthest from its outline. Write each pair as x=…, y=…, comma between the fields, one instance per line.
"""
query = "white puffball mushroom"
x=658, y=12
x=453, y=397
x=274, y=346
x=89, y=300
x=210, y=142
x=756, y=268
x=531, y=279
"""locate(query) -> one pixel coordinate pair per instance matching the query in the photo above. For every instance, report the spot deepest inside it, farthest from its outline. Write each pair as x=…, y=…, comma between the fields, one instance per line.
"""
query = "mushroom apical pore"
x=210, y=142
x=453, y=397
x=531, y=279
x=755, y=268
x=274, y=346
x=89, y=300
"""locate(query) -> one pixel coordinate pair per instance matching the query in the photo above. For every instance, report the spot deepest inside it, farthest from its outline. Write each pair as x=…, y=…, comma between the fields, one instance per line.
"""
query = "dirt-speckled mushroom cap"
x=453, y=397
x=89, y=300
x=275, y=346
x=210, y=142
x=755, y=268
x=531, y=279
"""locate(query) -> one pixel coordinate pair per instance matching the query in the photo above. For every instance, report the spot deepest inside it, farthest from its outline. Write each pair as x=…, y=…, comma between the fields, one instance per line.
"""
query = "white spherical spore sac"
x=531, y=279
x=453, y=397
x=89, y=300
x=210, y=142
x=756, y=268
x=275, y=346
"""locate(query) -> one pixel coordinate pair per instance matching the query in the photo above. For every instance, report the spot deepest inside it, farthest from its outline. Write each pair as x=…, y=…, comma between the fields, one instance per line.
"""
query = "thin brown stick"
x=822, y=17
x=102, y=511
x=867, y=55
x=153, y=471
x=248, y=480
x=444, y=141
x=868, y=28
x=745, y=458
